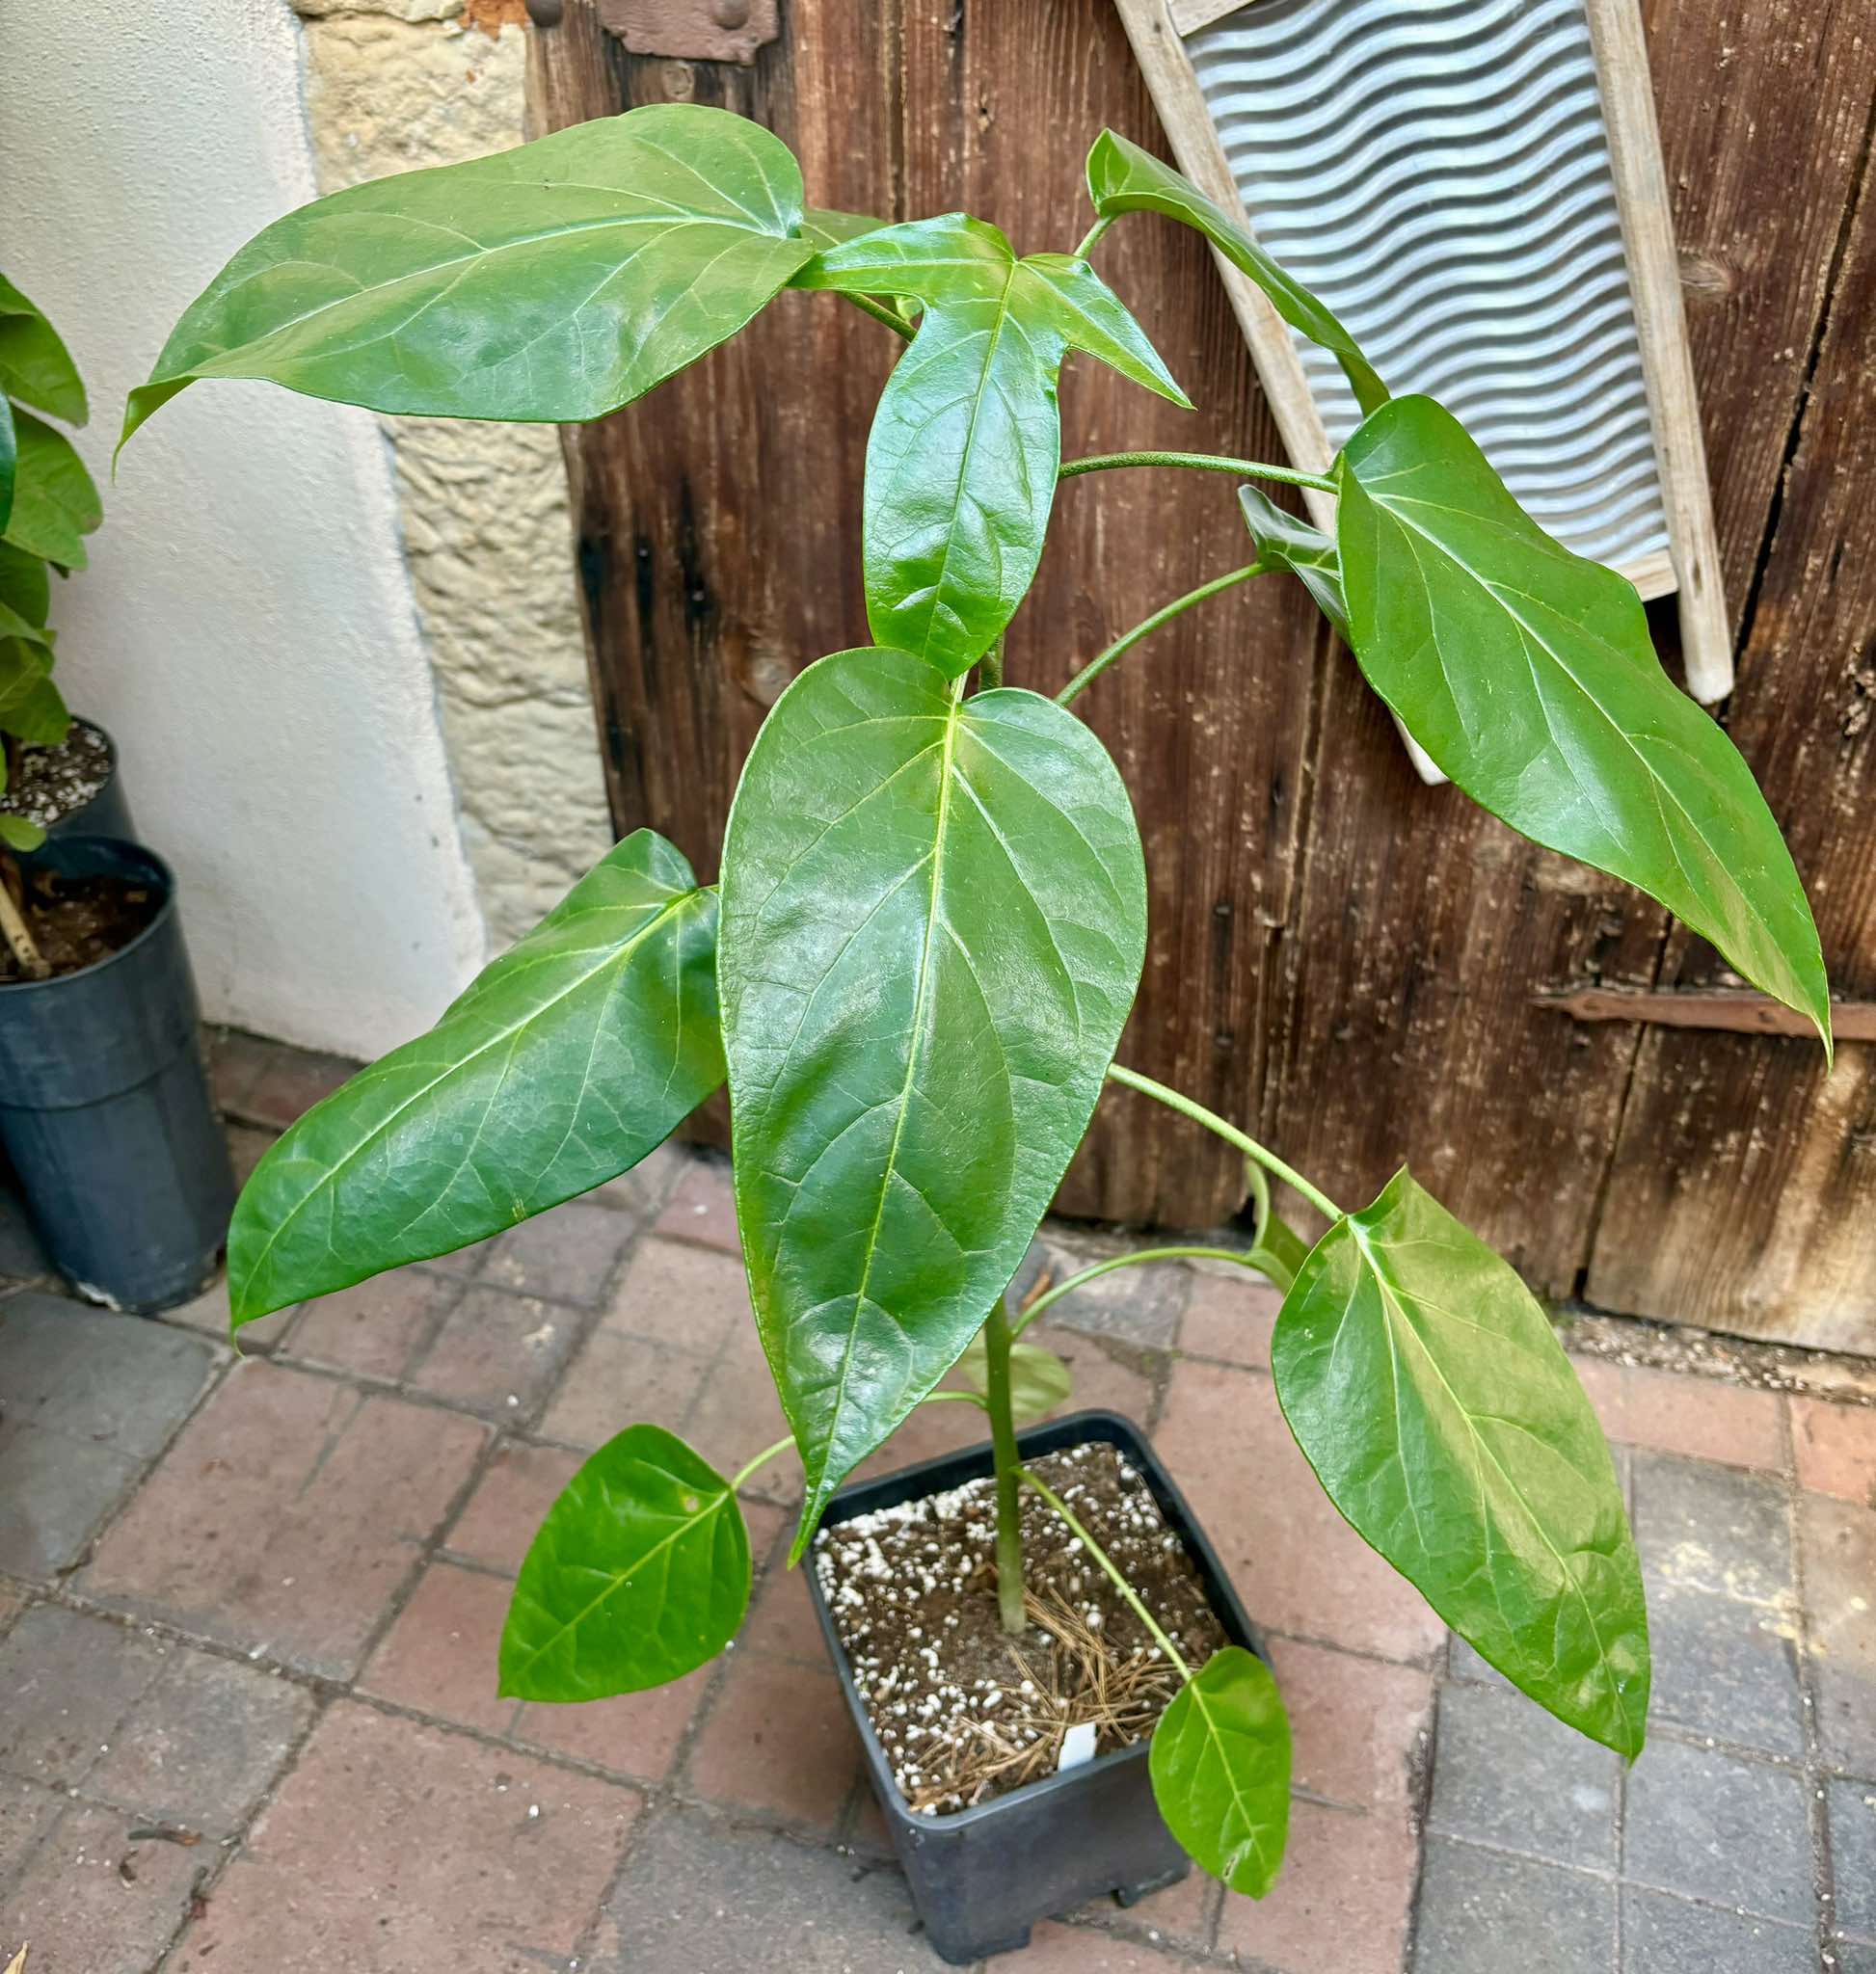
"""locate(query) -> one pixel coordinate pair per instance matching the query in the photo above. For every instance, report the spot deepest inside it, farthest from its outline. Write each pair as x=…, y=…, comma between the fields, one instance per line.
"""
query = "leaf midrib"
x=328, y=1179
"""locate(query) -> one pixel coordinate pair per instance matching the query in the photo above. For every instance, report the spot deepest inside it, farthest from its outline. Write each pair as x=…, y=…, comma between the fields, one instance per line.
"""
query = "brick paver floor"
x=249, y=1609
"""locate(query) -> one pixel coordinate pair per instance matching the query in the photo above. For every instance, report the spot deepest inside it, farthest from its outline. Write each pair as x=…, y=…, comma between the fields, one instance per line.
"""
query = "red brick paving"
x=375, y=1328
x=1355, y=1726
x=516, y=1488
x=1341, y=1902
x=1697, y=1417
x=702, y=1209
x=439, y=1657
x=1834, y=1448
x=778, y=1741
x=1230, y=1317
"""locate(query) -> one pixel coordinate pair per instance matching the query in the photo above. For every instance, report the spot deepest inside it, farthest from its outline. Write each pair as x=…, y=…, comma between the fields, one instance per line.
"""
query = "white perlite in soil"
x=964, y=1712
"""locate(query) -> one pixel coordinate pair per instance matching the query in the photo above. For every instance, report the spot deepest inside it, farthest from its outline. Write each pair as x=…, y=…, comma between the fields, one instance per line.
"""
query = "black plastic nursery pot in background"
x=982, y=1877
x=107, y=812
x=104, y=1103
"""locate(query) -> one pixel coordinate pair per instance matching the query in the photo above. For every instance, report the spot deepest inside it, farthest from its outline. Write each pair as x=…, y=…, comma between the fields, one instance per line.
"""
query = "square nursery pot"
x=982, y=1877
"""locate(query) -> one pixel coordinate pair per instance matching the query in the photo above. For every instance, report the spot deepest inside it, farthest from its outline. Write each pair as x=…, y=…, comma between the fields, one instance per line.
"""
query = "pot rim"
x=1130, y=1438
x=165, y=876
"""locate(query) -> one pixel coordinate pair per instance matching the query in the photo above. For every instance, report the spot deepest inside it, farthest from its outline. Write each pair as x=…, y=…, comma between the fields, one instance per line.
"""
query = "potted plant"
x=104, y=1110
x=915, y=967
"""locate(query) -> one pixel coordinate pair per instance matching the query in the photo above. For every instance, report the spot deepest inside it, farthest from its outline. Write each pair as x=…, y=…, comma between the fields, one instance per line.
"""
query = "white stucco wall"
x=248, y=628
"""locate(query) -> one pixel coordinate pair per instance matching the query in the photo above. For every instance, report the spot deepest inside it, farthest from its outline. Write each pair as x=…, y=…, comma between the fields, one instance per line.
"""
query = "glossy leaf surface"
x=961, y=460
x=566, y=1060
x=1526, y=673
x=1040, y=1381
x=933, y=924
x=1428, y=1391
x=36, y=368
x=551, y=282
x=25, y=588
x=638, y=1575
x=1221, y=1768
x=1284, y=542
x=9, y=460
x=55, y=504
x=1122, y=177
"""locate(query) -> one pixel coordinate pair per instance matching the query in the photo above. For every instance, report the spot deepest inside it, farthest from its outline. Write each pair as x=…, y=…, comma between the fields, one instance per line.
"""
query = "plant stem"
x=1204, y=462
x=990, y=667
x=1120, y=1583
x=879, y=312
x=1240, y=1255
x=1094, y=232
x=1229, y=1132
x=19, y=941
x=1009, y=1470
x=762, y=1459
x=1094, y=667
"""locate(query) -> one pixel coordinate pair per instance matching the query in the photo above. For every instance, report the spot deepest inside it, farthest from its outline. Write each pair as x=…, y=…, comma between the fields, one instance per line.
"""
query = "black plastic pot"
x=982, y=1878
x=108, y=813
x=105, y=1105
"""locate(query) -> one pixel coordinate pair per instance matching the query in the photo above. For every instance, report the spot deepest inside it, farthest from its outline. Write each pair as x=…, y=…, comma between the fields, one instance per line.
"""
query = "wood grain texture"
x=1743, y=1193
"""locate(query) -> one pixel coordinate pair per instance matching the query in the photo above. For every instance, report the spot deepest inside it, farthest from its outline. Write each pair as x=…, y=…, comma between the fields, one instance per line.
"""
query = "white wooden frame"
x=1690, y=569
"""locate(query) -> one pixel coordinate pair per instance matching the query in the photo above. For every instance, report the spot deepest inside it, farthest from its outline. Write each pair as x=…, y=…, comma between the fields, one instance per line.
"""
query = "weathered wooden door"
x=1353, y=964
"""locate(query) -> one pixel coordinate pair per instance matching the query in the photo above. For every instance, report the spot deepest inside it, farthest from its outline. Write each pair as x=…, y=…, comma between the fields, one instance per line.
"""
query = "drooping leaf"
x=933, y=923
x=1284, y=542
x=1431, y=1397
x=1220, y=1763
x=39, y=716
x=24, y=586
x=638, y=1575
x=1526, y=673
x=566, y=1060
x=55, y=504
x=36, y=367
x=965, y=444
x=551, y=282
x=1122, y=177
x=1040, y=1381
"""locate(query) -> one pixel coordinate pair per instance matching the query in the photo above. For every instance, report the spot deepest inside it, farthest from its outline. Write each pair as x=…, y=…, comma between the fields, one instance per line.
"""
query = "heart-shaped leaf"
x=934, y=916
x=1040, y=1381
x=55, y=504
x=1526, y=673
x=36, y=367
x=566, y=1060
x=1122, y=177
x=551, y=282
x=961, y=463
x=1219, y=1764
x=1431, y=1397
x=25, y=588
x=39, y=716
x=1283, y=541
x=638, y=1575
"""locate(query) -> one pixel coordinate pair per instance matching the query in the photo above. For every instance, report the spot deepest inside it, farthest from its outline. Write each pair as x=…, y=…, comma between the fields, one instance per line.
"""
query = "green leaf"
x=9, y=461
x=1431, y=1397
x=24, y=586
x=1526, y=673
x=1219, y=1764
x=55, y=504
x=39, y=716
x=584, y=1046
x=552, y=282
x=25, y=660
x=638, y=1575
x=935, y=917
x=1040, y=1381
x=35, y=365
x=1122, y=177
x=1283, y=541
x=823, y=228
x=18, y=834
x=965, y=444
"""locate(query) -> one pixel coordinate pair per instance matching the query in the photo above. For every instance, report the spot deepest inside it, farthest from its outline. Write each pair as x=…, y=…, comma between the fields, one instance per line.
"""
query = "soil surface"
x=966, y=1712
x=76, y=921
x=51, y=783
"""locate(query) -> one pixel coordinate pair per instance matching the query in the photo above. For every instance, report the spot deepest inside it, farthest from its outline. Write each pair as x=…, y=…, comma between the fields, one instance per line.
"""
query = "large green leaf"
x=55, y=504
x=39, y=716
x=1220, y=1763
x=966, y=442
x=934, y=916
x=565, y=1062
x=1440, y=1412
x=638, y=1575
x=1122, y=177
x=35, y=365
x=1284, y=542
x=552, y=282
x=1526, y=673
x=9, y=461
x=24, y=585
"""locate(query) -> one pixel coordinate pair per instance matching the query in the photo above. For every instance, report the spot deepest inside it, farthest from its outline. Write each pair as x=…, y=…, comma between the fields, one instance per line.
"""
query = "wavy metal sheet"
x=1438, y=171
